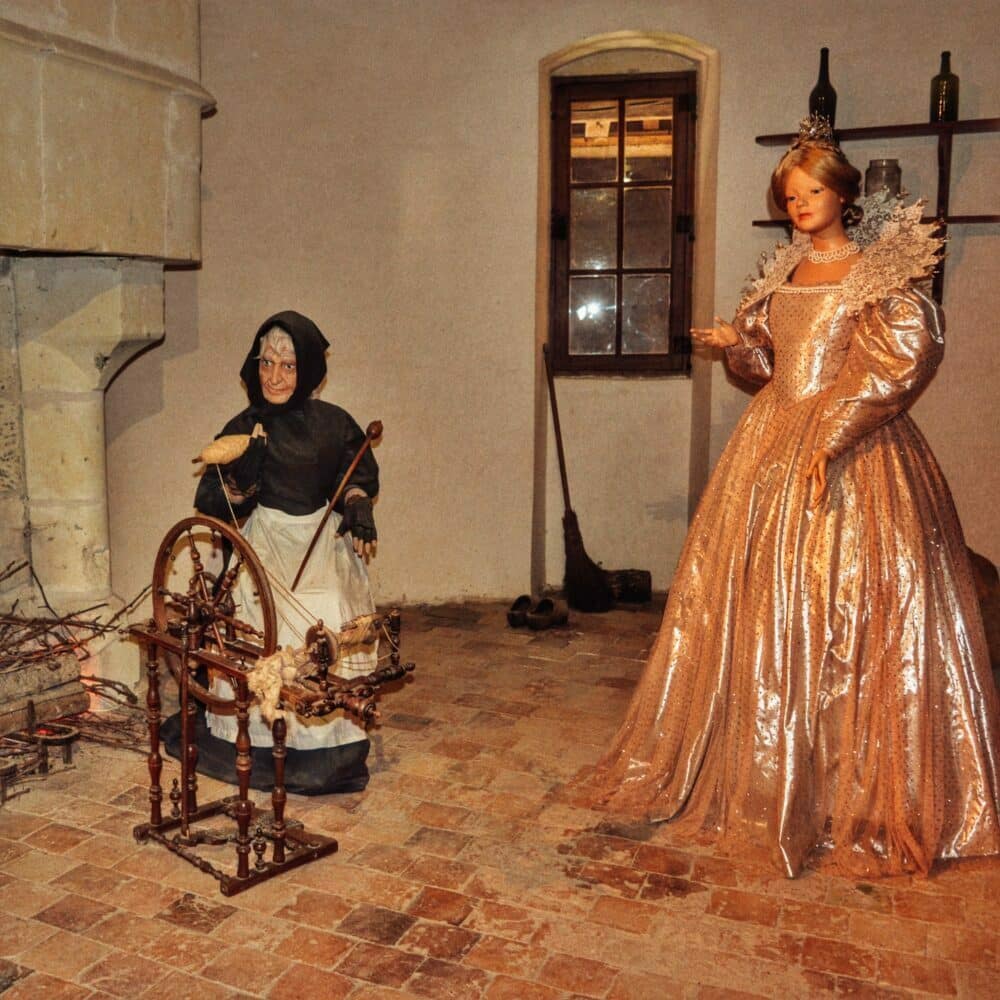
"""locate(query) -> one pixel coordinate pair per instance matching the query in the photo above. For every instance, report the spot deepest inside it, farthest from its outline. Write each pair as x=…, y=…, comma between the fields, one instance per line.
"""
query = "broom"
x=587, y=585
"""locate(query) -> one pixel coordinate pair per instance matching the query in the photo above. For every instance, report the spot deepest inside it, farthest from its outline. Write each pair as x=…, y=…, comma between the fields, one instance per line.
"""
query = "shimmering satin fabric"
x=820, y=686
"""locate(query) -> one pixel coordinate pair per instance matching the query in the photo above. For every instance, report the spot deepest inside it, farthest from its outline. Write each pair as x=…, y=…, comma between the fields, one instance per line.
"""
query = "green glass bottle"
x=944, y=93
x=823, y=98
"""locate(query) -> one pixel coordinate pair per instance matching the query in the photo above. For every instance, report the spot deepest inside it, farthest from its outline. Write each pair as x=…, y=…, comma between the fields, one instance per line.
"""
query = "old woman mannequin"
x=300, y=450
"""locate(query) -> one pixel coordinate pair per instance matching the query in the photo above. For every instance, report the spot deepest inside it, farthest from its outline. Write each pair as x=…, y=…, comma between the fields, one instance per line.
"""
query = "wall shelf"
x=945, y=133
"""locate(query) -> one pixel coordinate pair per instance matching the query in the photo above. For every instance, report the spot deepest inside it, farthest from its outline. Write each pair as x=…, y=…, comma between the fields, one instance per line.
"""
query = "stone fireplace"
x=100, y=109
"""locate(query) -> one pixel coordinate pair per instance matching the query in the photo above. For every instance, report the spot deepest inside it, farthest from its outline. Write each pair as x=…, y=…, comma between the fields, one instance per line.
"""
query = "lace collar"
x=897, y=249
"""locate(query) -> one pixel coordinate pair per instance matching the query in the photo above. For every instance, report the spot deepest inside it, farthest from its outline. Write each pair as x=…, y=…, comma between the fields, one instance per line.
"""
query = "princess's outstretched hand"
x=817, y=473
x=723, y=334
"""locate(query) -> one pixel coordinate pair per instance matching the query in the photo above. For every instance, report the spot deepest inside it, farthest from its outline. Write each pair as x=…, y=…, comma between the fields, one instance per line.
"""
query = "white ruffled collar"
x=897, y=249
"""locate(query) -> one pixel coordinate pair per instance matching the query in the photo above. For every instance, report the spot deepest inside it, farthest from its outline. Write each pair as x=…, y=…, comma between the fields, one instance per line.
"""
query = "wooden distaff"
x=372, y=434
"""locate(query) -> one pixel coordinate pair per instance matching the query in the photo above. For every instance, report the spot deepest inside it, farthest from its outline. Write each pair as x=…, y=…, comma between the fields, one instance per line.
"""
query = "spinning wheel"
x=207, y=586
x=200, y=568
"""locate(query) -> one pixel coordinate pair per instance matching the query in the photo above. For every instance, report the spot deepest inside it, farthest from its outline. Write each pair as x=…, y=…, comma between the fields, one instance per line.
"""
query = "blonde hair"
x=829, y=166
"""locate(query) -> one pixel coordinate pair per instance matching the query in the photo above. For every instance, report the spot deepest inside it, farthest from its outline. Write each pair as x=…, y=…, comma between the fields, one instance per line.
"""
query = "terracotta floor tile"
x=445, y=843
x=246, y=969
x=195, y=913
x=182, y=986
x=443, y=817
x=142, y=896
x=839, y=956
x=441, y=904
x=15, y=825
x=123, y=975
x=90, y=880
x=313, y=947
x=25, y=899
x=504, y=920
x=667, y=887
x=512, y=958
x=734, y=905
x=64, y=954
x=375, y=923
x=430, y=870
x=646, y=986
x=507, y=988
x=378, y=964
x=302, y=981
x=74, y=913
x=322, y=909
x=627, y=914
x=384, y=858
x=40, y=986
x=185, y=951
x=445, y=980
x=38, y=866
x=914, y=972
x=57, y=838
x=438, y=940
x=879, y=930
x=253, y=930
x=124, y=930
x=578, y=975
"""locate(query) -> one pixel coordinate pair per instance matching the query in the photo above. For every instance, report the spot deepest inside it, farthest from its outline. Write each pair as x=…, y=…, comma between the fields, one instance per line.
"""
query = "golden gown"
x=820, y=687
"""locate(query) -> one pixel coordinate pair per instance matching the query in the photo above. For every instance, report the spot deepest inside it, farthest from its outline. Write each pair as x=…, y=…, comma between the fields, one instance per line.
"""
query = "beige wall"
x=375, y=166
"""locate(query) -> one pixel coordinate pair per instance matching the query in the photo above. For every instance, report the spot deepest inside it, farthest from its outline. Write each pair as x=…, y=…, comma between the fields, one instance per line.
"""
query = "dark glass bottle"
x=944, y=93
x=823, y=98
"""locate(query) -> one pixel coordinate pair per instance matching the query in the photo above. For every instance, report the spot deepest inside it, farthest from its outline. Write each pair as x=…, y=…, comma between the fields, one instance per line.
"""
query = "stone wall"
x=100, y=111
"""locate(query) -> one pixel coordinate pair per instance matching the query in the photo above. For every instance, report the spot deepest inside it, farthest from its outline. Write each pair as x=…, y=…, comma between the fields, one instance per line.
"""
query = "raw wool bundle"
x=270, y=673
x=224, y=450
x=357, y=632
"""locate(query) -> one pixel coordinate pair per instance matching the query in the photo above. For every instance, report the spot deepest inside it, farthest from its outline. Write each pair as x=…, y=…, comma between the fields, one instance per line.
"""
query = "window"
x=622, y=169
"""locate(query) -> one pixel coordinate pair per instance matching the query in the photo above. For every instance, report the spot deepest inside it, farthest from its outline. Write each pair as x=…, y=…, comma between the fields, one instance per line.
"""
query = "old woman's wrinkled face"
x=278, y=374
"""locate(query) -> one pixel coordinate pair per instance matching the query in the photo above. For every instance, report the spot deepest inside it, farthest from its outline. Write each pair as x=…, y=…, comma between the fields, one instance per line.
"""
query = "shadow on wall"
x=129, y=406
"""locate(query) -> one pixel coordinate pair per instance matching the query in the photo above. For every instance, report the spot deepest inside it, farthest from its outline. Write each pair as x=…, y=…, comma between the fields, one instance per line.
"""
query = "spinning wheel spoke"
x=197, y=550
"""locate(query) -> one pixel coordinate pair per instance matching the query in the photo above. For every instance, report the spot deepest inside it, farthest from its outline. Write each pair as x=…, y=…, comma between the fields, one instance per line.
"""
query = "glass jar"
x=883, y=175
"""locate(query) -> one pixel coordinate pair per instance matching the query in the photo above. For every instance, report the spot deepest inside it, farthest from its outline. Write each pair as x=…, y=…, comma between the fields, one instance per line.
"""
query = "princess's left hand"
x=817, y=473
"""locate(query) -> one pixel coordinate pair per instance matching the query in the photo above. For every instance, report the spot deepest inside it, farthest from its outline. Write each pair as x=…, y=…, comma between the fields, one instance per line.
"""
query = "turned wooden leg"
x=153, y=721
x=243, y=766
x=279, y=730
x=393, y=626
x=191, y=789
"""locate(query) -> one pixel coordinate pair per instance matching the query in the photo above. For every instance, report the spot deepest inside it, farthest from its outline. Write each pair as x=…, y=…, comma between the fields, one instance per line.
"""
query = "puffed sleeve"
x=897, y=346
x=752, y=359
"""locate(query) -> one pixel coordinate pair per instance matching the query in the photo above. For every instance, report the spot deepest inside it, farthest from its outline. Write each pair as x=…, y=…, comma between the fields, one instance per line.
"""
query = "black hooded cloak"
x=310, y=443
x=296, y=469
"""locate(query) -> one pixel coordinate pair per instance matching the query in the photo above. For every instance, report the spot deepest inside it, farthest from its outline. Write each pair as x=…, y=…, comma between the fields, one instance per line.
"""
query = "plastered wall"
x=376, y=167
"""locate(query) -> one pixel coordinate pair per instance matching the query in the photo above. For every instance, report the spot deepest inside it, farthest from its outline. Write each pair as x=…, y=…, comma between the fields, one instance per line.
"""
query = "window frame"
x=682, y=87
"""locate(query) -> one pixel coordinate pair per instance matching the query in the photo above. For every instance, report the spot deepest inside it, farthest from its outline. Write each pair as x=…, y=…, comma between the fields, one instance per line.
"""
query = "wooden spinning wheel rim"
x=212, y=606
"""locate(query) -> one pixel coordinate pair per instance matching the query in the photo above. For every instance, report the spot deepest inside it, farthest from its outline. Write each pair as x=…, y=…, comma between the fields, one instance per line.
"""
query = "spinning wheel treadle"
x=198, y=627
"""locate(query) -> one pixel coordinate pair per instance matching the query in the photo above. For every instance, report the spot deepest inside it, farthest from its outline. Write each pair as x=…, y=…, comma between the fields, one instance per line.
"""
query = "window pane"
x=591, y=315
x=593, y=141
x=646, y=314
x=593, y=229
x=649, y=149
x=647, y=227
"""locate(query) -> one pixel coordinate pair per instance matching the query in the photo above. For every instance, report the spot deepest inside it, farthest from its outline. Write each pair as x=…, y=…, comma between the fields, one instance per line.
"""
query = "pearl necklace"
x=830, y=256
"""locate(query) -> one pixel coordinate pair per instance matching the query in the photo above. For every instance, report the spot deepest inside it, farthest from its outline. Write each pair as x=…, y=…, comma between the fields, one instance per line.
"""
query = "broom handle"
x=373, y=433
x=558, y=429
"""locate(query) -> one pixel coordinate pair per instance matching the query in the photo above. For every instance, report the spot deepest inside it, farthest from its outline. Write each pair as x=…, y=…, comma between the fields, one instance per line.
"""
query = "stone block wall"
x=100, y=110
x=13, y=513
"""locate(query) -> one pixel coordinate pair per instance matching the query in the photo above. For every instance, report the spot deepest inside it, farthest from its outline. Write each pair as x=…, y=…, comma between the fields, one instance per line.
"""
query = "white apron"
x=334, y=588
